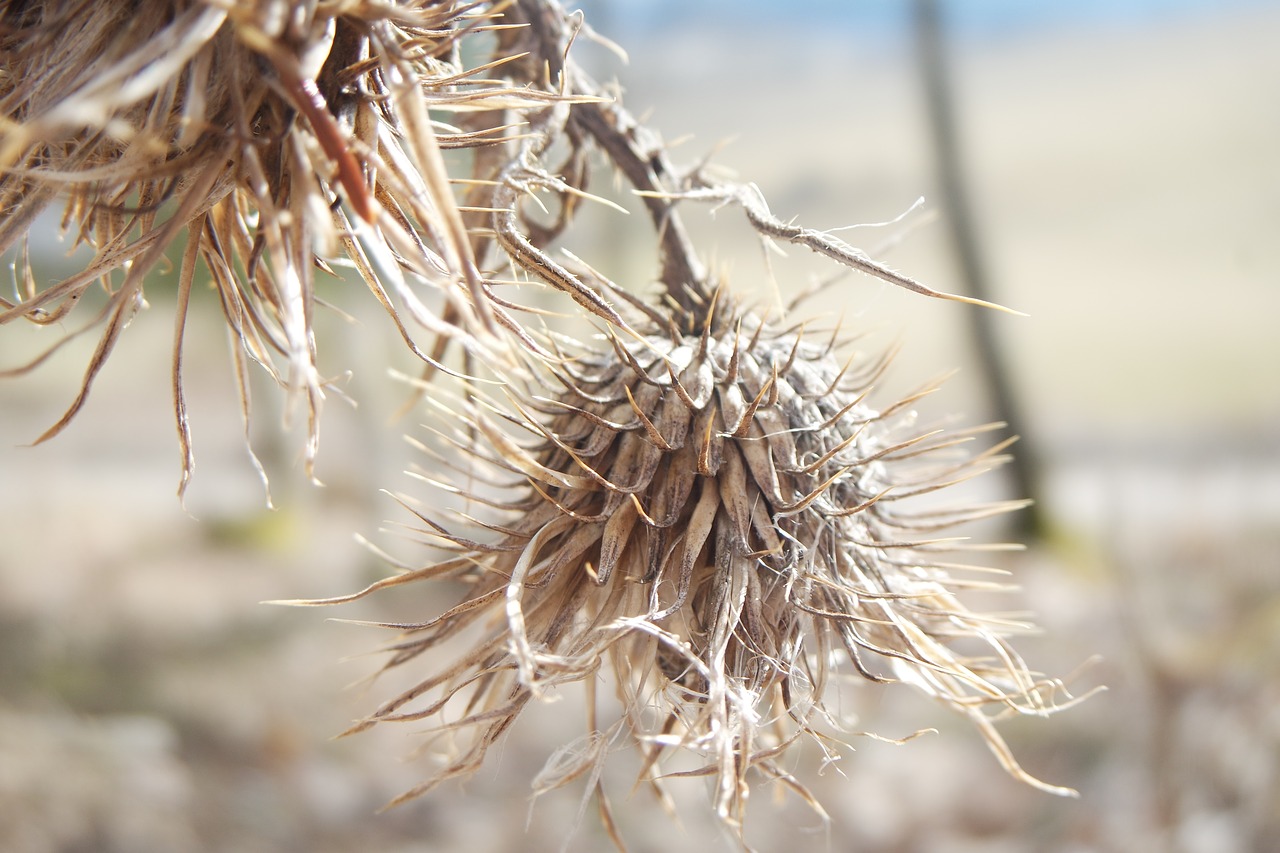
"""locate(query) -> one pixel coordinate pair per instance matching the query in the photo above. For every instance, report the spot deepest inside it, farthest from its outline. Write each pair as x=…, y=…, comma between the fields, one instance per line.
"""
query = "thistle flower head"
x=714, y=513
x=270, y=139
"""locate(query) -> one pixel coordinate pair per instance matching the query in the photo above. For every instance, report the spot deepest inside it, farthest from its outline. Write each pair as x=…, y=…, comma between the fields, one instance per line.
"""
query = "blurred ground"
x=1129, y=196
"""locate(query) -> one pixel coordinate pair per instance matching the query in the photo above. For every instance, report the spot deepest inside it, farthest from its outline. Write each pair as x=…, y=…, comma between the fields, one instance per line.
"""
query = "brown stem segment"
x=635, y=151
x=638, y=155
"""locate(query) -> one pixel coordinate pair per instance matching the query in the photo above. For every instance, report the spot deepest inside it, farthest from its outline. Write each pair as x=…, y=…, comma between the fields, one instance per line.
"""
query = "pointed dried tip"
x=981, y=303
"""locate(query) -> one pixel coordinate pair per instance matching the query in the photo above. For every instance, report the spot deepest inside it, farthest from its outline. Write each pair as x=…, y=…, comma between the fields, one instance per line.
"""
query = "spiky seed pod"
x=715, y=515
x=272, y=136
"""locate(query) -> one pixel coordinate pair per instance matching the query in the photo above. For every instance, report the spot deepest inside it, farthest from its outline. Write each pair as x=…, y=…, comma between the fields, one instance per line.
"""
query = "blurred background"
x=1117, y=170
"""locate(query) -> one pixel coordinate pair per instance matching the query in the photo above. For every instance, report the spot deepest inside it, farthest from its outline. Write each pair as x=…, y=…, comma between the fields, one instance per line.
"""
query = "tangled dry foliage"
x=270, y=139
x=706, y=507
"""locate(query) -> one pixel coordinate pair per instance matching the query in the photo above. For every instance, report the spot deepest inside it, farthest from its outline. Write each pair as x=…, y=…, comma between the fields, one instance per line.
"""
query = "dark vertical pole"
x=958, y=211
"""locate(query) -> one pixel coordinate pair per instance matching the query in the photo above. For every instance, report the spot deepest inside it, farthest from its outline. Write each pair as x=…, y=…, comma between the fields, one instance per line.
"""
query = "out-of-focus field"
x=1127, y=183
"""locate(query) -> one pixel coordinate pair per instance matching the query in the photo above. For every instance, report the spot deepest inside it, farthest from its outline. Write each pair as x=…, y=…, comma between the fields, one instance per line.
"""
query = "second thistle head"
x=712, y=511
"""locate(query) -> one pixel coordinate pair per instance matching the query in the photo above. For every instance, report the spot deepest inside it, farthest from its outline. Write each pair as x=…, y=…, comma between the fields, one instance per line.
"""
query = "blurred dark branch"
x=958, y=212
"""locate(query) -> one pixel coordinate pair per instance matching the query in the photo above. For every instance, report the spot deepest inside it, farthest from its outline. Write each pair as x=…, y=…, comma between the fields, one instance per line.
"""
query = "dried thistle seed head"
x=715, y=514
x=271, y=137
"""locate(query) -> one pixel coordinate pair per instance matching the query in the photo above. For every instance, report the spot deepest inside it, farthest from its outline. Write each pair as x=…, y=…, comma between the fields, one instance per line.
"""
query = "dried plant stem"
x=753, y=204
